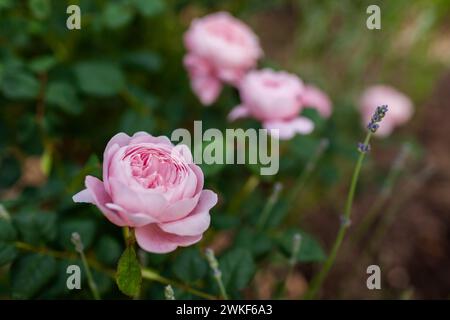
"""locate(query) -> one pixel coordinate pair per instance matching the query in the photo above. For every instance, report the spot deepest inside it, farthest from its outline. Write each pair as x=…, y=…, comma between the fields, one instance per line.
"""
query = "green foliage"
x=310, y=249
x=256, y=242
x=149, y=8
x=30, y=274
x=85, y=227
x=129, y=277
x=18, y=84
x=108, y=250
x=40, y=9
x=36, y=226
x=99, y=78
x=65, y=93
x=8, y=235
x=189, y=265
x=62, y=95
x=238, y=268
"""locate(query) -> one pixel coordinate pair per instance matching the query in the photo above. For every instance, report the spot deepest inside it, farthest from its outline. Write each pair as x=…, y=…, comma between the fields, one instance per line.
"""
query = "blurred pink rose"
x=154, y=187
x=275, y=99
x=315, y=98
x=220, y=49
x=400, y=107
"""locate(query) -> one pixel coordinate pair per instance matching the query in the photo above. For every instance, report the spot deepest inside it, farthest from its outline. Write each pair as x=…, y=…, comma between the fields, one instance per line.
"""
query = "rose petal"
x=207, y=89
x=134, y=201
x=144, y=137
x=238, y=112
x=183, y=152
x=197, y=221
x=133, y=219
x=121, y=139
x=315, y=98
x=179, y=209
x=287, y=129
x=84, y=196
x=107, y=157
x=152, y=239
x=100, y=197
x=200, y=177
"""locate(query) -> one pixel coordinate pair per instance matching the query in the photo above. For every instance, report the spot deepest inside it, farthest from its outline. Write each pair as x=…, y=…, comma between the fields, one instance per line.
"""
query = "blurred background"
x=65, y=93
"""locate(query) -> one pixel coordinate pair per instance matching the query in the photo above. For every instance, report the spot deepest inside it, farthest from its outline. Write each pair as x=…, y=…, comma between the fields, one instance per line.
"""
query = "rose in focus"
x=154, y=187
x=221, y=49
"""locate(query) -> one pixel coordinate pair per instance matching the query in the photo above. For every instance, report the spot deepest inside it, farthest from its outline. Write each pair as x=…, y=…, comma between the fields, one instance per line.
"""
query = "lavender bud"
x=168, y=293
x=363, y=148
x=345, y=222
x=378, y=115
x=76, y=240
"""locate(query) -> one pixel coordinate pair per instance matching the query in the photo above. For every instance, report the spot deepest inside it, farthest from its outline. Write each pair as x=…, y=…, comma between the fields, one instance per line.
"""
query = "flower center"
x=154, y=168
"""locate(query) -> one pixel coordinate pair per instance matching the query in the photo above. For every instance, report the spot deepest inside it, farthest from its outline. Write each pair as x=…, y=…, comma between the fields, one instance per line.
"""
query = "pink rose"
x=154, y=187
x=315, y=98
x=275, y=99
x=220, y=49
x=400, y=107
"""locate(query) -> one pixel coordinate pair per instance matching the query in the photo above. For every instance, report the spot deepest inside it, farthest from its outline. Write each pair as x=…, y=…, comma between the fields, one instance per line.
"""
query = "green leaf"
x=108, y=250
x=36, y=226
x=99, y=78
x=147, y=61
x=149, y=8
x=310, y=249
x=6, y=4
x=143, y=98
x=40, y=9
x=92, y=168
x=8, y=253
x=42, y=63
x=257, y=243
x=117, y=15
x=303, y=146
x=86, y=229
x=19, y=84
x=132, y=122
x=8, y=235
x=221, y=221
x=129, y=277
x=63, y=96
x=10, y=171
x=30, y=274
x=57, y=288
x=46, y=161
x=237, y=268
x=189, y=265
